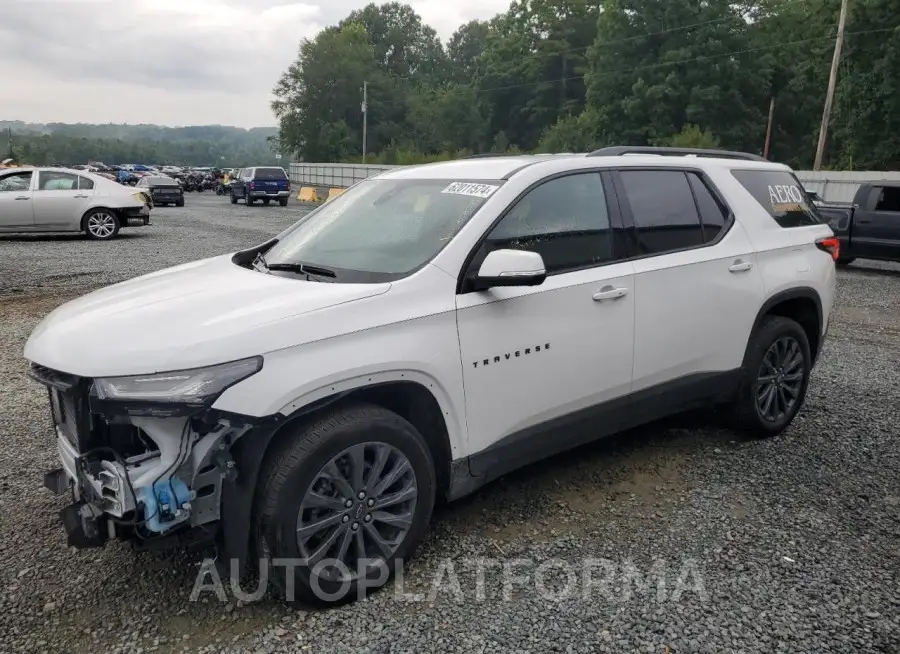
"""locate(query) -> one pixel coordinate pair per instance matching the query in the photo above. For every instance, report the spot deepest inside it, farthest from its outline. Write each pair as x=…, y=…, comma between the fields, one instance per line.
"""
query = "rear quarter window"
x=780, y=194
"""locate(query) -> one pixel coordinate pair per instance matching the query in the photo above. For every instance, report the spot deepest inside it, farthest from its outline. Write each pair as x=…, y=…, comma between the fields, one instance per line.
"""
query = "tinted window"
x=663, y=209
x=564, y=220
x=888, y=199
x=15, y=182
x=269, y=173
x=781, y=195
x=57, y=181
x=85, y=184
x=712, y=215
x=161, y=181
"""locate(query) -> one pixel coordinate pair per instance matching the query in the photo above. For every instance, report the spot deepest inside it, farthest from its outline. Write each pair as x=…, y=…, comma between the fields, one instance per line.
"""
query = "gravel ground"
x=787, y=545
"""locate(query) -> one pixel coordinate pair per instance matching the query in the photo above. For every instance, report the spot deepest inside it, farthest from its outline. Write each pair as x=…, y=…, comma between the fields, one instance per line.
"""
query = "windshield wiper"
x=305, y=268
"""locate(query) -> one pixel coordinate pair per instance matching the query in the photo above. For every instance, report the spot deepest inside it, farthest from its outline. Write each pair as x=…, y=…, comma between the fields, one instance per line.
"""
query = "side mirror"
x=511, y=268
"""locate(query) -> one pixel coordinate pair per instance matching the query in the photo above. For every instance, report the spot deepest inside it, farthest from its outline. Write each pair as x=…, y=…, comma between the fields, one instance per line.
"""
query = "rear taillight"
x=252, y=185
x=831, y=245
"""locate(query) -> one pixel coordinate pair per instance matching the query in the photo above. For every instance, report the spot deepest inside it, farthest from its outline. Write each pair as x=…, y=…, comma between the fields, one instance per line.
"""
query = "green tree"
x=658, y=65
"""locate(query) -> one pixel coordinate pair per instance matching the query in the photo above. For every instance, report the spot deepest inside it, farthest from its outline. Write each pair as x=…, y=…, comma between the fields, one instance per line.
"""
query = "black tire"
x=233, y=199
x=180, y=203
x=749, y=416
x=845, y=261
x=266, y=202
x=248, y=200
x=283, y=202
x=298, y=461
x=101, y=224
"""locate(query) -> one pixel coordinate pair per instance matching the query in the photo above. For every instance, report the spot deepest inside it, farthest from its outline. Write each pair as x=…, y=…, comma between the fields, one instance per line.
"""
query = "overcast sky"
x=170, y=62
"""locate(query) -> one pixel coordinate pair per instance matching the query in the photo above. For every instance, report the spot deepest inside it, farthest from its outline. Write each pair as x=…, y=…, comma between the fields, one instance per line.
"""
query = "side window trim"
x=634, y=252
x=615, y=224
x=727, y=215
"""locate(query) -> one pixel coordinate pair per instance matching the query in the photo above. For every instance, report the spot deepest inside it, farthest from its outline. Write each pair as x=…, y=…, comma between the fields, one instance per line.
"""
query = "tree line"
x=573, y=75
x=203, y=145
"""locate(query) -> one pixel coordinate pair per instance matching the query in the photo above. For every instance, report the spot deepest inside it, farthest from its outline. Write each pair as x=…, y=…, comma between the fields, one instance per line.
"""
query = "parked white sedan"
x=63, y=200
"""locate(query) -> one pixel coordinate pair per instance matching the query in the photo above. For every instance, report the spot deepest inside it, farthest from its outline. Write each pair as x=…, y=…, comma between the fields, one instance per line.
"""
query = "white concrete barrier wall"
x=831, y=185
x=327, y=175
x=841, y=185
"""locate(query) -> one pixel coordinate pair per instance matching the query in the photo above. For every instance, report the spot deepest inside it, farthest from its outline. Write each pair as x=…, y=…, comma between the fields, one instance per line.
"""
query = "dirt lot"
x=786, y=545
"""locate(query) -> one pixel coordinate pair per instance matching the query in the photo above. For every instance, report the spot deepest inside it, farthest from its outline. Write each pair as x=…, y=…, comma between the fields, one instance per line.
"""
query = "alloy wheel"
x=359, y=506
x=101, y=224
x=780, y=379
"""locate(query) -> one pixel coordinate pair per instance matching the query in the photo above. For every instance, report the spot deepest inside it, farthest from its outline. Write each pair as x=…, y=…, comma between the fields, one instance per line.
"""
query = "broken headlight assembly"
x=174, y=393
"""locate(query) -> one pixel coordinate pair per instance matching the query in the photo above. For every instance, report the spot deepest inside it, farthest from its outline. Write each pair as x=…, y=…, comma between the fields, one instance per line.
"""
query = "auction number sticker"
x=471, y=189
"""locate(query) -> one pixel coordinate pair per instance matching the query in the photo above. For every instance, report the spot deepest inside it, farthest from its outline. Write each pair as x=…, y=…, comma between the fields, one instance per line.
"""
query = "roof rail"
x=619, y=150
x=491, y=155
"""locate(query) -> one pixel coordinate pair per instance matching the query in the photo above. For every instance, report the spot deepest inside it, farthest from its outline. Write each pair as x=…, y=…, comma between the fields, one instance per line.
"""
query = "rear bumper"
x=135, y=216
x=270, y=194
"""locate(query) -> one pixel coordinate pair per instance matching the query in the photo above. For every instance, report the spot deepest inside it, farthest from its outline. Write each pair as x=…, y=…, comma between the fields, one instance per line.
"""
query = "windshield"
x=381, y=230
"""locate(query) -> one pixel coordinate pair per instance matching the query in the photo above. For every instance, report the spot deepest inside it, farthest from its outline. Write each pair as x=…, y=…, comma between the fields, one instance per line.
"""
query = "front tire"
x=776, y=373
x=101, y=224
x=348, y=497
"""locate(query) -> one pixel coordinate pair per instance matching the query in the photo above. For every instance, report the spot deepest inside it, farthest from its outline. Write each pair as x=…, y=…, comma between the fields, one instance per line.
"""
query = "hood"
x=197, y=314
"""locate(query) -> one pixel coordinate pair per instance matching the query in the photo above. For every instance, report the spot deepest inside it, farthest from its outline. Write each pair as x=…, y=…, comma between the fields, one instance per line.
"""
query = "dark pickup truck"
x=868, y=228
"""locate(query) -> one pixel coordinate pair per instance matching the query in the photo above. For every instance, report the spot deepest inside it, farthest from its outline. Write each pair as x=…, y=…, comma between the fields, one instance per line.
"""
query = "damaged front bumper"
x=151, y=480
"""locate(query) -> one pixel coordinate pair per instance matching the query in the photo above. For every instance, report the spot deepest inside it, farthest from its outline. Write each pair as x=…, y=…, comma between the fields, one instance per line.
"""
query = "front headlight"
x=198, y=387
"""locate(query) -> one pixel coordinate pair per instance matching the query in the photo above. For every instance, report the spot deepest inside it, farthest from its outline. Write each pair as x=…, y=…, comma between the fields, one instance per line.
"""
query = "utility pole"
x=832, y=82
x=768, y=145
x=365, y=113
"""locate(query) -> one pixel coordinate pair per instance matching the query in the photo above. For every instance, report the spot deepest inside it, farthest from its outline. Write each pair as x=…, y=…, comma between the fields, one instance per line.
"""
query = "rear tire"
x=266, y=202
x=362, y=455
x=101, y=224
x=845, y=261
x=180, y=203
x=249, y=200
x=776, y=373
x=233, y=199
x=283, y=202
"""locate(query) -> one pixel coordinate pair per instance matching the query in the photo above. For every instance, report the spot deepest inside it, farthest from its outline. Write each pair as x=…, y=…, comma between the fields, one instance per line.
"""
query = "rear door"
x=16, y=200
x=876, y=225
x=697, y=288
x=58, y=202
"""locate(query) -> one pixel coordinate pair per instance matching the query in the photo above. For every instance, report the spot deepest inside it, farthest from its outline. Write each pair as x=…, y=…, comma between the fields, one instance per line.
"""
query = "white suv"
x=427, y=331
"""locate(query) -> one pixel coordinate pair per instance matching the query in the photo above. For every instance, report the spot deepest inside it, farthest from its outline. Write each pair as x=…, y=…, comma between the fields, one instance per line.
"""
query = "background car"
x=163, y=190
x=263, y=183
x=66, y=200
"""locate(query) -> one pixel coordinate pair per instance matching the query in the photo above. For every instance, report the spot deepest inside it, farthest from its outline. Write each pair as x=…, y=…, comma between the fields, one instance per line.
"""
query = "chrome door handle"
x=610, y=293
x=25, y=198
x=740, y=266
x=80, y=196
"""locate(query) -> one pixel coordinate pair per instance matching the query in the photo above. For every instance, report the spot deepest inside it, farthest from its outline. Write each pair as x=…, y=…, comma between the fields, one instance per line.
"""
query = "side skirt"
x=566, y=432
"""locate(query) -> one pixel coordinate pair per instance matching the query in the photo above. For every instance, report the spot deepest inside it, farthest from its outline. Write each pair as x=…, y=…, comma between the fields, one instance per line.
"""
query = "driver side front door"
x=548, y=367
